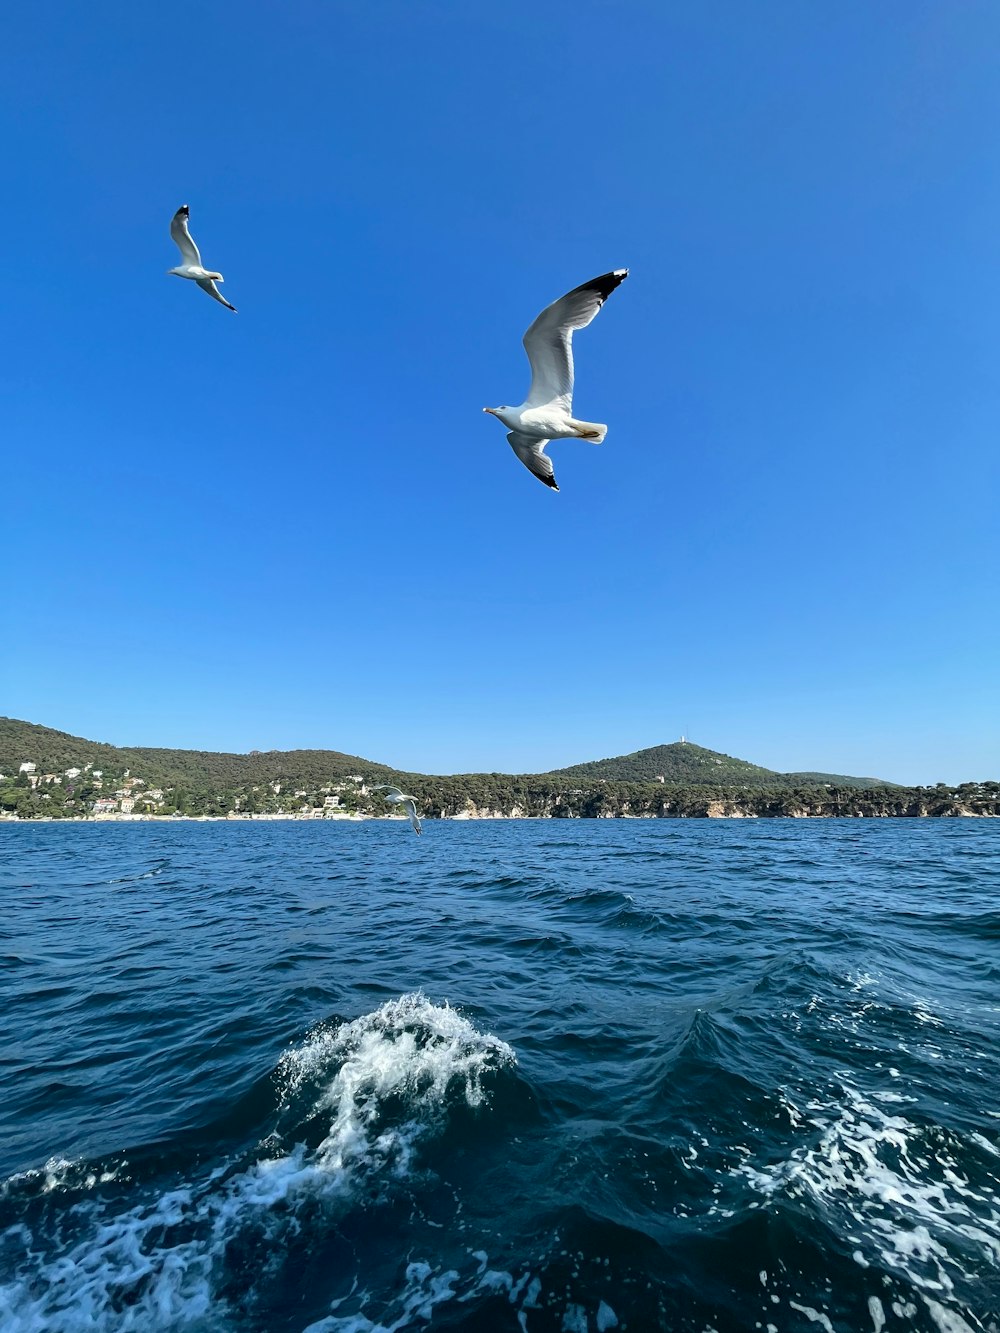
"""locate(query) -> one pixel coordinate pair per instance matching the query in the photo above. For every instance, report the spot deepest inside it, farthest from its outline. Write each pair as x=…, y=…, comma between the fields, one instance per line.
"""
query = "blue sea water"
x=557, y=1075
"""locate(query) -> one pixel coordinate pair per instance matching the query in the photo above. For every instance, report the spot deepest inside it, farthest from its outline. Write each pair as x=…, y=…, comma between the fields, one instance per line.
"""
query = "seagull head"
x=500, y=413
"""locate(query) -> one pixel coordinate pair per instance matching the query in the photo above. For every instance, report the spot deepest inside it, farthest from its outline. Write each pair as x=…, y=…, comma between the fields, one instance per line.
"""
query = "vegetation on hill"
x=73, y=777
x=679, y=762
x=55, y=751
x=693, y=764
x=832, y=780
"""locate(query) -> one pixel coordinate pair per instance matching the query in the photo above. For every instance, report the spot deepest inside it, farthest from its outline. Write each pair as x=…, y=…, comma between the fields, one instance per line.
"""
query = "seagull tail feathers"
x=590, y=430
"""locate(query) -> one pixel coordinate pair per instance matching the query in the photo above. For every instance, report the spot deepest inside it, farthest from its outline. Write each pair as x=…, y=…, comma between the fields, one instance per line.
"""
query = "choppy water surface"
x=537, y=1075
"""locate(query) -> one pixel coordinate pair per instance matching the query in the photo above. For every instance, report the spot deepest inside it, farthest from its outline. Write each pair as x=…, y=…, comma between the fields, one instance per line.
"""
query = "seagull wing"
x=549, y=341
x=182, y=237
x=531, y=451
x=411, y=810
x=390, y=791
x=208, y=285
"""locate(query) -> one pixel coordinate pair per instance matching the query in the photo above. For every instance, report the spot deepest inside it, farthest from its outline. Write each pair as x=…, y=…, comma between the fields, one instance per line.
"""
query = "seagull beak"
x=490, y=410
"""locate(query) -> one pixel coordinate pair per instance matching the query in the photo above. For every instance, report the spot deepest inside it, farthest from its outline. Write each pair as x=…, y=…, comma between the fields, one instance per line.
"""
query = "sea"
x=703, y=1076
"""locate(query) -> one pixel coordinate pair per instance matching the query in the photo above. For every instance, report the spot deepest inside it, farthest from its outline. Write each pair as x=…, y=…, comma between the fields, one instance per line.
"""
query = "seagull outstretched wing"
x=549, y=340
x=182, y=237
x=531, y=451
x=208, y=285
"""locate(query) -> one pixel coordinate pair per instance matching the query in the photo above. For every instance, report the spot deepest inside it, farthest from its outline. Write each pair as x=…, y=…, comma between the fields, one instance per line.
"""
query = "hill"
x=55, y=751
x=833, y=780
x=75, y=778
x=693, y=765
x=680, y=764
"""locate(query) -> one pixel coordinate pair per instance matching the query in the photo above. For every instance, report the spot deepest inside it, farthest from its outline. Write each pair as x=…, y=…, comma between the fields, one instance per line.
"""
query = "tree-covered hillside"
x=682, y=762
x=55, y=751
x=68, y=777
x=832, y=780
x=679, y=762
x=694, y=765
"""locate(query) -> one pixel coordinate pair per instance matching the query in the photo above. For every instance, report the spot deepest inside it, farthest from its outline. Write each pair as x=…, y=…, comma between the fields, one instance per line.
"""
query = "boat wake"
x=355, y=1102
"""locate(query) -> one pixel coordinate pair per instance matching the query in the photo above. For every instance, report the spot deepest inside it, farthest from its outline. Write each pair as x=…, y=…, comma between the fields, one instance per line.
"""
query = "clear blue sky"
x=294, y=526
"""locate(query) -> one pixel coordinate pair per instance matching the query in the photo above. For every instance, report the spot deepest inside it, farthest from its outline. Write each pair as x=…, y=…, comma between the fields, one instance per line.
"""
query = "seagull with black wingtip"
x=192, y=266
x=547, y=412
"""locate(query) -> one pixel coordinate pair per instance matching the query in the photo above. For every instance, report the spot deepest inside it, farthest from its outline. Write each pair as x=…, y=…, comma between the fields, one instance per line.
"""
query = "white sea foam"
x=424, y=1288
x=155, y=1266
x=606, y=1318
x=58, y=1173
x=875, y=1309
x=908, y=1204
x=814, y=1316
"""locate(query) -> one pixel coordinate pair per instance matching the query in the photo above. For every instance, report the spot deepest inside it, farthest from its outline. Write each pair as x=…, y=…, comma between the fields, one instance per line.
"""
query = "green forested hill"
x=55, y=751
x=679, y=762
x=693, y=765
x=832, y=780
x=697, y=783
x=208, y=771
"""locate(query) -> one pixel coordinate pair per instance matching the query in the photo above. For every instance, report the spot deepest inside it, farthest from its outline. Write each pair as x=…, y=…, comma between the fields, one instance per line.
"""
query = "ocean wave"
x=354, y=1104
x=919, y=1203
x=474, y=1300
x=756, y=1072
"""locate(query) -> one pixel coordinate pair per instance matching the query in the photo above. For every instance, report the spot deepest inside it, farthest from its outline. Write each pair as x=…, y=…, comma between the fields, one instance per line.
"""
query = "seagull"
x=192, y=267
x=547, y=412
x=396, y=797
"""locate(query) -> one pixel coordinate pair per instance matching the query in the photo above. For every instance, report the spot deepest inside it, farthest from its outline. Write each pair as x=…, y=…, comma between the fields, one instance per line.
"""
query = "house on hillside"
x=104, y=805
x=27, y=767
x=72, y=773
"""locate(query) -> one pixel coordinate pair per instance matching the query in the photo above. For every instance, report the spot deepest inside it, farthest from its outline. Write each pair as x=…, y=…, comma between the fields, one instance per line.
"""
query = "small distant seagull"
x=396, y=797
x=192, y=267
x=546, y=413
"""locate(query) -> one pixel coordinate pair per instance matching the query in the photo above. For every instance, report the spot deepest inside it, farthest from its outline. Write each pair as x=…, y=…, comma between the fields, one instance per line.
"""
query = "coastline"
x=465, y=817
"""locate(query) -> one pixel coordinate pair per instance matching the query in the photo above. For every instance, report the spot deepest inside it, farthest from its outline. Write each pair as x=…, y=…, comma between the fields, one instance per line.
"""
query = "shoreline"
x=463, y=818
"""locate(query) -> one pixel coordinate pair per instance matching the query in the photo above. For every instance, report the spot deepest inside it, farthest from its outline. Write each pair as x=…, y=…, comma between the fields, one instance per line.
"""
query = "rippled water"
x=547, y=1075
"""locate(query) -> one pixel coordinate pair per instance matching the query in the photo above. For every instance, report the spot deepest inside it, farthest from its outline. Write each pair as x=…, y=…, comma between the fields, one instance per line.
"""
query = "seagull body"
x=547, y=412
x=396, y=797
x=192, y=266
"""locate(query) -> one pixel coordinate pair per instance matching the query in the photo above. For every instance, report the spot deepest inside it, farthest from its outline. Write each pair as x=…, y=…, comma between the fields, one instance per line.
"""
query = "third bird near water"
x=396, y=797
x=192, y=267
x=547, y=412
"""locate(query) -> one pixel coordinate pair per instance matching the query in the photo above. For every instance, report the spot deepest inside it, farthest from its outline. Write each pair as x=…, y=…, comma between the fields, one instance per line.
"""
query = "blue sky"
x=294, y=526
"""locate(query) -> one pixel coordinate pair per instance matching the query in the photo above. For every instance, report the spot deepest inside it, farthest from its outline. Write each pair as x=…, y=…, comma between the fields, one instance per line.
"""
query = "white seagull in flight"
x=547, y=412
x=192, y=267
x=396, y=797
